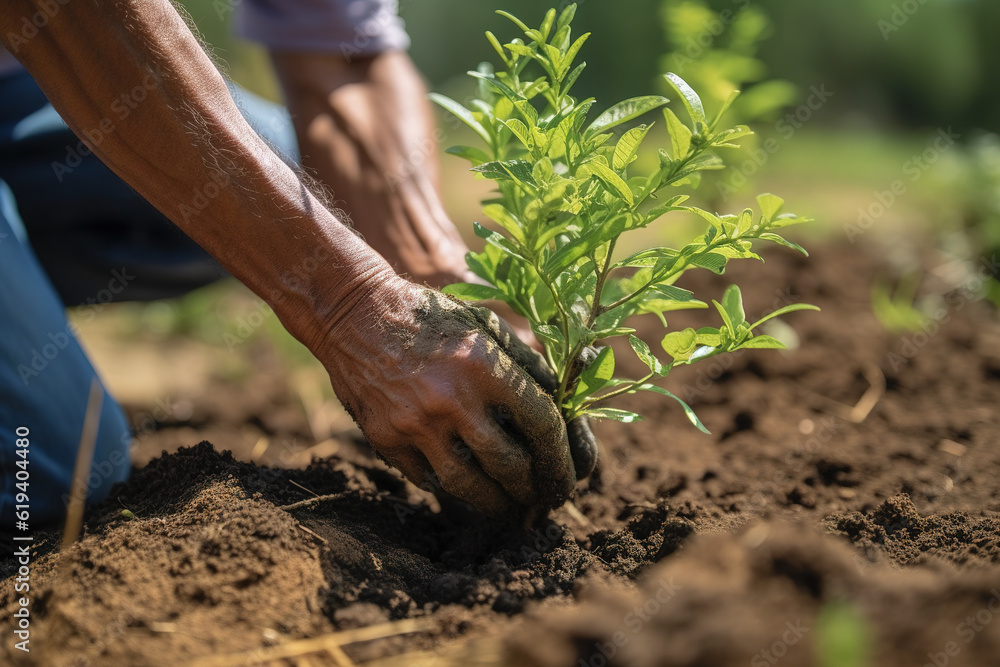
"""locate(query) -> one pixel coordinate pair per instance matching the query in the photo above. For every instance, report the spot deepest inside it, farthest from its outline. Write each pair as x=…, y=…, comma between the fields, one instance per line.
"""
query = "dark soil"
x=798, y=532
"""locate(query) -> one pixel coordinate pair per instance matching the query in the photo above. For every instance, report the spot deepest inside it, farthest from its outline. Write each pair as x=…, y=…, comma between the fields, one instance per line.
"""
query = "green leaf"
x=725, y=107
x=566, y=17
x=519, y=49
x=692, y=417
x=498, y=240
x=690, y=98
x=647, y=257
x=596, y=375
x=680, y=135
x=507, y=91
x=679, y=344
x=623, y=416
x=713, y=261
x=549, y=334
x=585, y=244
x=492, y=39
x=601, y=334
x=672, y=292
x=660, y=306
x=547, y=22
x=770, y=205
x=704, y=162
x=712, y=218
x=730, y=327
x=527, y=111
x=473, y=155
x=573, y=76
x=520, y=24
x=625, y=111
x=570, y=55
x=725, y=139
x=762, y=342
x=614, y=182
x=791, y=308
x=672, y=204
x=732, y=301
x=709, y=336
x=516, y=170
x=472, y=292
x=519, y=130
x=484, y=264
x=462, y=114
x=787, y=220
x=643, y=352
x=534, y=35
x=769, y=236
x=744, y=222
x=505, y=219
x=628, y=146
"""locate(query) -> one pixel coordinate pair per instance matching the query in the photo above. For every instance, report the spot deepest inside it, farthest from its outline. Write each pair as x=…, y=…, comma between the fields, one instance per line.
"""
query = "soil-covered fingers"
x=582, y=442
x=512, y=426
x=582, y=446
x=454, y=439
x=523, y=415
x=426, y=441
x=512, y=344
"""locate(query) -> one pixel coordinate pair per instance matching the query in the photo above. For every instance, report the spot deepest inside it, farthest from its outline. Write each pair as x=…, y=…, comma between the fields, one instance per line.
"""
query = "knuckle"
x=407, y=422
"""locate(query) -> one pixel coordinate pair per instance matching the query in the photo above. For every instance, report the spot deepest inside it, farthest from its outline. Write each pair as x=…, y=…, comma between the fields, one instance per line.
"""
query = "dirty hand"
x=582, y=443
x=438, y=396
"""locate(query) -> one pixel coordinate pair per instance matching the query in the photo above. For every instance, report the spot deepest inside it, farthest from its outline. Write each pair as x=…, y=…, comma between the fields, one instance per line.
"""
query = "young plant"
x=566, y=195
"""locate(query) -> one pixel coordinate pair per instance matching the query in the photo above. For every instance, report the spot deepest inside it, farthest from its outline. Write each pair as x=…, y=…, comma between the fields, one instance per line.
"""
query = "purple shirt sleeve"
x=352, y=28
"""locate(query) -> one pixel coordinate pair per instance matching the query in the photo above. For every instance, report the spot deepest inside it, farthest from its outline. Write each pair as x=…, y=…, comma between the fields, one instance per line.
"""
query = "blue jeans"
x=72, y=233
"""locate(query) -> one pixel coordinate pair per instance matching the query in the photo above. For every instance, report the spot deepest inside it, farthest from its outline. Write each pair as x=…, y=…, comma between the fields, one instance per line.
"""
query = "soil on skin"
x=799, y=531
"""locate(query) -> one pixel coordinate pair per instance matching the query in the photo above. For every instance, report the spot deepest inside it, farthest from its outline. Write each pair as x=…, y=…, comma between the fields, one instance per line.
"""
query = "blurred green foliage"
x=896, y=307
x=843, y=638
x=910, y=63
x=716, y=53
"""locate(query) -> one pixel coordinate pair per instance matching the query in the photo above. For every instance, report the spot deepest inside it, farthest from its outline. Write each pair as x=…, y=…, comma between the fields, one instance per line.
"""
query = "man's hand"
x=439, y=398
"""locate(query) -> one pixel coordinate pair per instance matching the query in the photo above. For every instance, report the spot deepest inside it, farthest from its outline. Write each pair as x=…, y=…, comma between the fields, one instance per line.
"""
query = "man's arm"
x=366, y=129
x=434, y=395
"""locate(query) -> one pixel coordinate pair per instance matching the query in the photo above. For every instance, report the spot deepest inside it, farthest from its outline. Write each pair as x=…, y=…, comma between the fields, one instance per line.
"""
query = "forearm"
x=366, y=129
x=177, y=138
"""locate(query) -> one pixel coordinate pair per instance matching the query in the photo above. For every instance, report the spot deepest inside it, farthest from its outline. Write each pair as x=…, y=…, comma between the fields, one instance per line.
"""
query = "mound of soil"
x=848, y=501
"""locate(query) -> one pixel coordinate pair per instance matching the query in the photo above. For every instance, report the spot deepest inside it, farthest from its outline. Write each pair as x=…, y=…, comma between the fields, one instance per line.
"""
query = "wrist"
x=328, y=293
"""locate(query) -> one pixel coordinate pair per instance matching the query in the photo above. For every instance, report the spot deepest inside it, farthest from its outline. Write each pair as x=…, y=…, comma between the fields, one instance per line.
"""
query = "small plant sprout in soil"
x=566, y=194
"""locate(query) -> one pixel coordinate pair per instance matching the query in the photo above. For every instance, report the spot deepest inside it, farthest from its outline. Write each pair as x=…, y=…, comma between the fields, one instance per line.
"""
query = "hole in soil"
x=799, y=574
x=742, y=421
x=834, y=473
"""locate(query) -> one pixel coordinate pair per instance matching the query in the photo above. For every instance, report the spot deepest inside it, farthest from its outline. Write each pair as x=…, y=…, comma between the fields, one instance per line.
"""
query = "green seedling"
x=566, y=193
x=842, y=636
x=126, y=512
x=896, y=307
